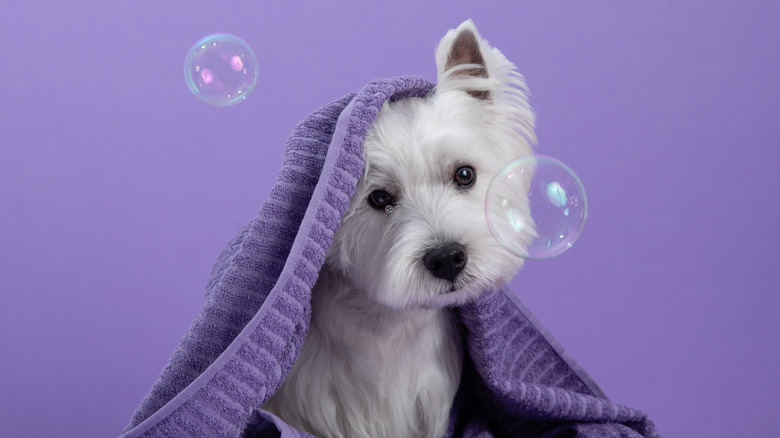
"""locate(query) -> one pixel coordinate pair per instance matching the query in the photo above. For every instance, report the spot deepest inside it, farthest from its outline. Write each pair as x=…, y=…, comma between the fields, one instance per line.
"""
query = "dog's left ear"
x=460, y=62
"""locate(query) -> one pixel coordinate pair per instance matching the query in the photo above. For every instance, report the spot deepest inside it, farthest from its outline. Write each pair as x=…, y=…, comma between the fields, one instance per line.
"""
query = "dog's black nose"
x=446, y=261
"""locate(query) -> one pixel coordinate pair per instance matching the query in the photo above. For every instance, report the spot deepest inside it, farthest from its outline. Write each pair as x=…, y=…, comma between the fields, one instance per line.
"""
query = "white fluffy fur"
x=383, y=354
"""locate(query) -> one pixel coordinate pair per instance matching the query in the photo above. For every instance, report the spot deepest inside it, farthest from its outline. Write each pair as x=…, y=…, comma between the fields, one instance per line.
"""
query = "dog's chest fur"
x=371, y=372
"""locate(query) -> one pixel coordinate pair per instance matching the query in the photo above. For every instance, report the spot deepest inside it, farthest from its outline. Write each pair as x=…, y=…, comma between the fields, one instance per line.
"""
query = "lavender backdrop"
x=118, y=188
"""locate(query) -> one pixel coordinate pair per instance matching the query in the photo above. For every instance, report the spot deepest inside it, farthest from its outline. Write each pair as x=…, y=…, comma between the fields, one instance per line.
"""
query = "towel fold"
x=516, y=381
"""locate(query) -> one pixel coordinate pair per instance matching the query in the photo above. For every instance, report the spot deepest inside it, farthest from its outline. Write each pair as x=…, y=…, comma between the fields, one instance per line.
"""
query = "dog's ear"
x=459, y=58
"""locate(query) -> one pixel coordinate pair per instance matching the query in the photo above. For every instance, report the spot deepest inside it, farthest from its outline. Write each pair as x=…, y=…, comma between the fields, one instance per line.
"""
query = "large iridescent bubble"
x=545, y=222
x=221, y=69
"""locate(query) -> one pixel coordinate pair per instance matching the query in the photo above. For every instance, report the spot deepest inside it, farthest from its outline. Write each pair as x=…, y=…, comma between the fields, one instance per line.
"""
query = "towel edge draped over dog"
x=517, y=381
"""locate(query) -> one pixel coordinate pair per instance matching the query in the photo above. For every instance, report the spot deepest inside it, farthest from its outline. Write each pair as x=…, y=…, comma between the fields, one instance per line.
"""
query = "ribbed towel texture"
x=516, y=382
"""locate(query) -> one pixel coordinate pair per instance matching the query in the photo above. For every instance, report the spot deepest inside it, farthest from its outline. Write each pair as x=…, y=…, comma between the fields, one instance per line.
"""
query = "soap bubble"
x=221, y=69
x=556, y=203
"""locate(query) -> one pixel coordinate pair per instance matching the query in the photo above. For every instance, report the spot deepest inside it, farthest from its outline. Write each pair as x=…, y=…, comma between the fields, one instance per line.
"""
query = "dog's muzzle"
x=446, y=261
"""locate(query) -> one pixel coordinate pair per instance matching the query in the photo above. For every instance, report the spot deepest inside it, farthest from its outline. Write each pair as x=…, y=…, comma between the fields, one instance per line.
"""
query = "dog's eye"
x=465, y=176
x=380, y=199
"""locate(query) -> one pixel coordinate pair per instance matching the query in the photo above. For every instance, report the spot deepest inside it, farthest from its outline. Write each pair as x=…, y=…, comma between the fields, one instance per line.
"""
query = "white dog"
x=383, y=354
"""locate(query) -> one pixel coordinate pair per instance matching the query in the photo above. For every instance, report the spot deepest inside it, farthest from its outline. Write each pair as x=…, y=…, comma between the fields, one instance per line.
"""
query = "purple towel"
x=516, y=381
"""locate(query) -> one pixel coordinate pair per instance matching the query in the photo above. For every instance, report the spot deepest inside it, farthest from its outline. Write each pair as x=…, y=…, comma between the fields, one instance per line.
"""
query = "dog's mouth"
x=463, y=281
x=462, y=290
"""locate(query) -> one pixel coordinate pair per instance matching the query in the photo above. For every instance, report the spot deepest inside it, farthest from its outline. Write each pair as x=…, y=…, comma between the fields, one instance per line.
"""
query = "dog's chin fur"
x=383, y=354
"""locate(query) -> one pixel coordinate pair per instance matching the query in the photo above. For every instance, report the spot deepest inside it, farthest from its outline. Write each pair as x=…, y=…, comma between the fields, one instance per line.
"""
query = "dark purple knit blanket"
x=517, y=381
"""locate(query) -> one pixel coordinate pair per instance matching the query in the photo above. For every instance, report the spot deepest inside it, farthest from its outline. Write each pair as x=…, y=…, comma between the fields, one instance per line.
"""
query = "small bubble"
x=536, y=207
x=221, y=69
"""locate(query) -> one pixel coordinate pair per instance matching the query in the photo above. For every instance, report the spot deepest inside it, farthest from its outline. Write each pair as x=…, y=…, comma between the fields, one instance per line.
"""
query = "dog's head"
x=415, y=234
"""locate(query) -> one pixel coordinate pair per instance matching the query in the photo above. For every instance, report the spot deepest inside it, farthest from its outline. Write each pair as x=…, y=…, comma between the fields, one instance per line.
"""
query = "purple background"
x=118, y=188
